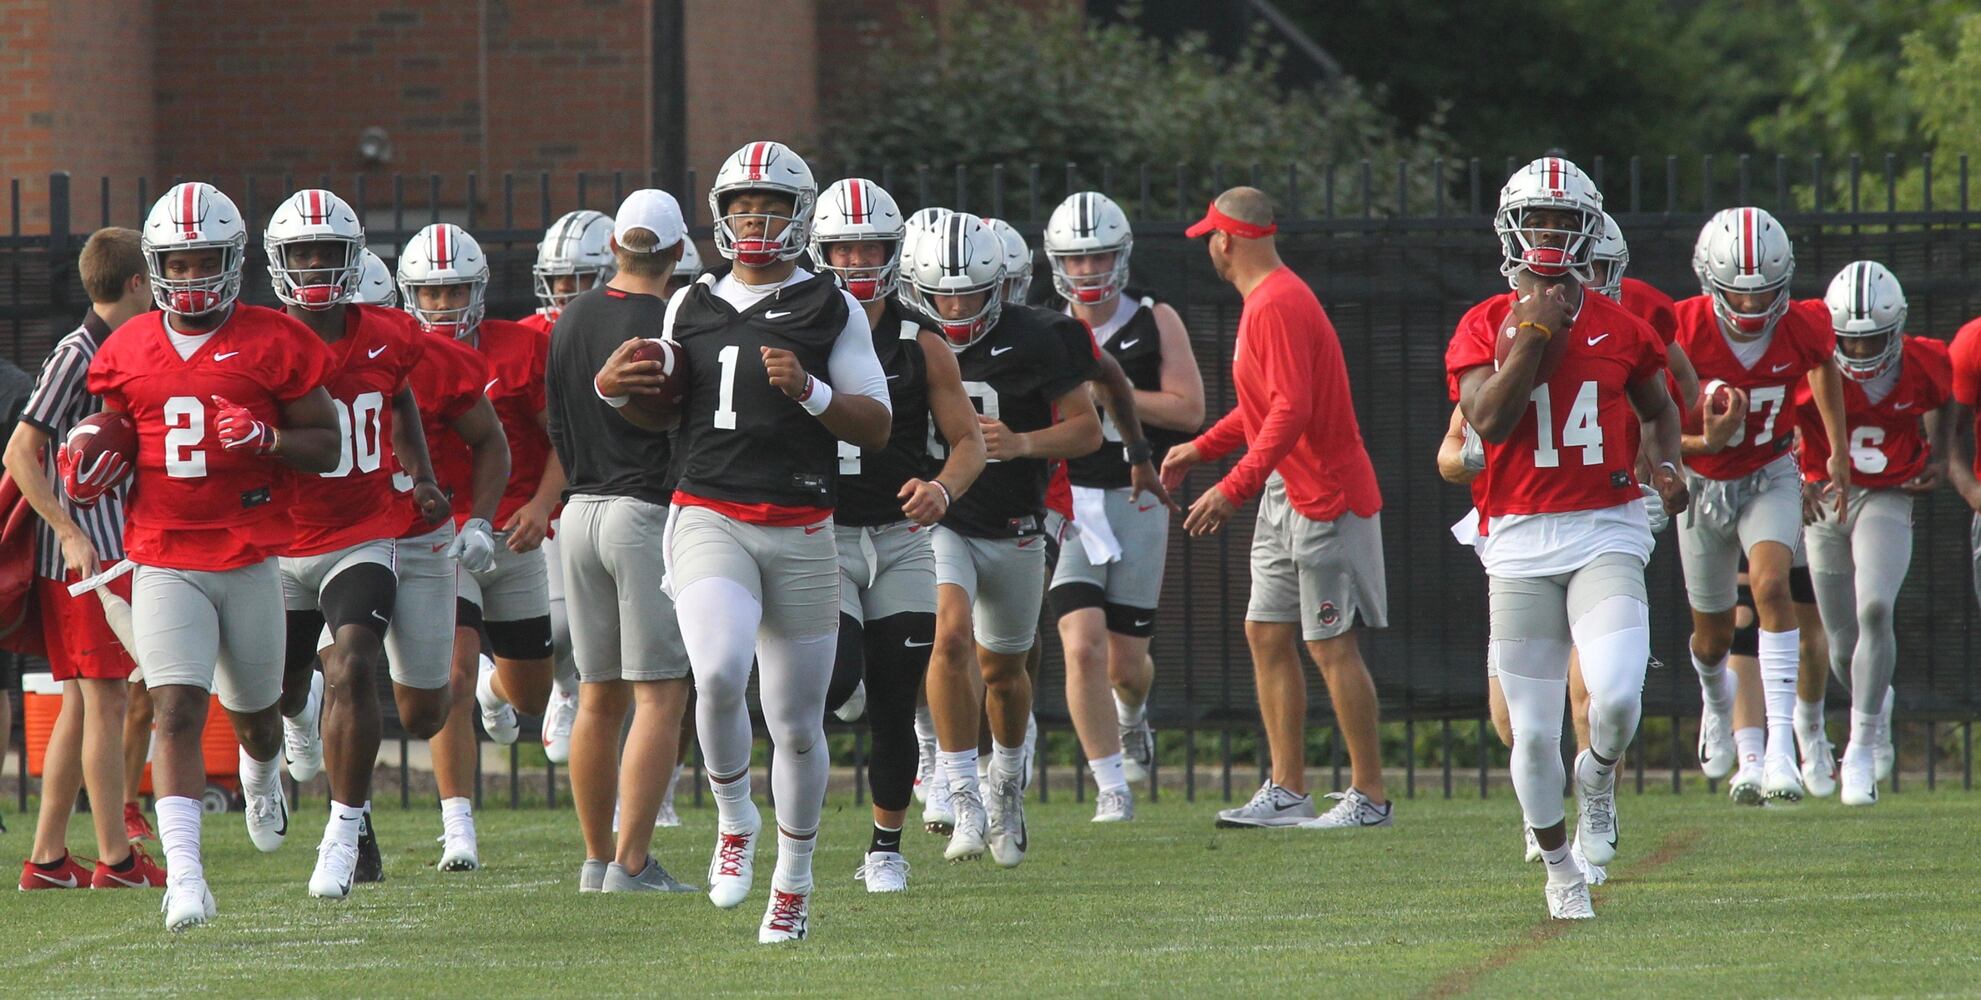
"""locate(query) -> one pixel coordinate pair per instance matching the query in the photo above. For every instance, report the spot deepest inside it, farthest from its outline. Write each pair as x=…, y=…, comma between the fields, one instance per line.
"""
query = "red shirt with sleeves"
x=1887, y=442
x=1802, y=340
x=538, y=322
x=1644, y=301
x=1966, y=356
x=193, y=504
x=517, y=357
x=447, y=384
x=355, y=502
x=1294, y=409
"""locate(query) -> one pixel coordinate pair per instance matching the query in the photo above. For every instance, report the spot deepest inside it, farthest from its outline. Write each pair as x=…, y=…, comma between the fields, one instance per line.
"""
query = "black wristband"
x=1138, y=452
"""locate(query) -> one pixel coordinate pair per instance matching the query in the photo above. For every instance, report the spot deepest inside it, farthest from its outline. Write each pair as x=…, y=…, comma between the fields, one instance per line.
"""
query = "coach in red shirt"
x=1317, y=550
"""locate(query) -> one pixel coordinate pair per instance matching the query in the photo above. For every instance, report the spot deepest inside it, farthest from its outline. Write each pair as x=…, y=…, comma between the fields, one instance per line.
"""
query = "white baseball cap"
x=653, y=210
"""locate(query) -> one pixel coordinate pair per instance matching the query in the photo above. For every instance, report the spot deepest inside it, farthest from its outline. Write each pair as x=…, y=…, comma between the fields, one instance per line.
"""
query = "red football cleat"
x=136, y=827
x=67, y=875
x=143, y=874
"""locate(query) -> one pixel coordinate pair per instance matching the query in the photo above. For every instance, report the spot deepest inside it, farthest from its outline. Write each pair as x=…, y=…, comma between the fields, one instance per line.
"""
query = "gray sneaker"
x=1272, y=805
x=591, y=876
x=1138, y=751
x=1352, y=809
x=1115, y=805
x=652, y=878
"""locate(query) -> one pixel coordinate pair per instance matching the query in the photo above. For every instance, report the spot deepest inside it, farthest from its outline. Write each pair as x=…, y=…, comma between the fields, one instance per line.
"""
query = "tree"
x=984, y=87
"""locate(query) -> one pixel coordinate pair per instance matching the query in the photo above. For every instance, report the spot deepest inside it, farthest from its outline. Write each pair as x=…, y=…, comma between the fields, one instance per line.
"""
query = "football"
x=99, y=438
x=666, y=404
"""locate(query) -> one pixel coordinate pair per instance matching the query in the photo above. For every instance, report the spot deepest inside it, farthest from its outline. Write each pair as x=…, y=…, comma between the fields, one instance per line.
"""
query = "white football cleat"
x=884, y=871
x=459, y=851
x=267, y=813
x=1005, y=813
x=1819, y=767
x=1116, y=805
x=1883, y=754
x=925, y=777
x=1717, y=755
x=1592, y=873
x=938, y=809
x=786, y=917
x=1595, y=821
x=1745, y=788
x=302, y=736
x=731, y=869
x=187, y=903
x=336, y=861
x=1857, y=777
x=498, y=717
x=558, y=718
x=1533, y=852
x=1781, y=779
x=1570, y=901
x=967, y=840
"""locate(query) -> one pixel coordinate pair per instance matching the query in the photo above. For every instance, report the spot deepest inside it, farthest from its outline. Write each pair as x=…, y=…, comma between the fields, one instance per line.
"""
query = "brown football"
x=666, y=404
x=101, y=434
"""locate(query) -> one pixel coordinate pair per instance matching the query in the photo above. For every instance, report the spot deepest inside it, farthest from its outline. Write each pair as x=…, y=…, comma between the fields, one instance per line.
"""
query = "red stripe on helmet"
x=187, y=219
x=441, y=257
x=316, y=207
x=1554, y=174
x=857, y=207
x=1748, y=225
x=756, y=158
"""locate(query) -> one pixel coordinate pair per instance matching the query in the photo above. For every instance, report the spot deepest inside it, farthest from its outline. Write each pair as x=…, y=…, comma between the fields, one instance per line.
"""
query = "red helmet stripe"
x=1554, y=174
x=187, y=209
x=441, y=258
x=857, y=209
x=1747, y=239
x=756, y=158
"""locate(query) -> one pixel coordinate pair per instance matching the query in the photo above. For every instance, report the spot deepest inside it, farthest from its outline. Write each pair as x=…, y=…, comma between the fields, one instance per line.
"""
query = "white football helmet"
x=763, y=166
x=1613, y=254
x=310, y=216
x=1549, y=184
x=1867, y=304
x=1748, y=252
x=195, y=216
x=961, y=256
x=919, y=224
x=444, y=254
x=857, y=210
x=1699, y=251
x=690, y=266
x=578, y=244
x=1017, y=261
x=1087, y=224
x=375, y=287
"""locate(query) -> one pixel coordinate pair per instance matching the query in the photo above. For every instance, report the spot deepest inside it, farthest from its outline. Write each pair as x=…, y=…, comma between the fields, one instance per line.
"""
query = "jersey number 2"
x=185, y=430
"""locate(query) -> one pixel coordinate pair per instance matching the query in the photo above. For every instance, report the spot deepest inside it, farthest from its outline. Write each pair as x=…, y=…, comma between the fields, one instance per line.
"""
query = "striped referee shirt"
x=61, y=400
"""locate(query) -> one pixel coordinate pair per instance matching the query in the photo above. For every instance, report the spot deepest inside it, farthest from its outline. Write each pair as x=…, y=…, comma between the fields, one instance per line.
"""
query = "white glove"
x=474, y=546
x=1654, y=509
x=1473, y=454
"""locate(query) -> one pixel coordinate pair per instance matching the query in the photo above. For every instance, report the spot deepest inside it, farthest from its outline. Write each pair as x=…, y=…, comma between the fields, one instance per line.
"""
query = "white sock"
x=1885, y=713
x=1865, y=731
x=1716, y=683
x=794, y=862
x=1593, y=773
x=1007, y=761
x=961, y=767
x=1562, y=869
x=1107, y=772
x=179, y=819
x=260, y=775
x=667, y=790
x=1780, y=654
x=925, y=728
x=1129, y=717
x=1808, y=721
x=343, y=825
x=458, y=815
x=730, y=799
x=1749, y=744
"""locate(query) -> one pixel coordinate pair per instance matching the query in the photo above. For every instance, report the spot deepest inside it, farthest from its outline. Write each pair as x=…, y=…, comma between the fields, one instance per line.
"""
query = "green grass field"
x=1707, y=899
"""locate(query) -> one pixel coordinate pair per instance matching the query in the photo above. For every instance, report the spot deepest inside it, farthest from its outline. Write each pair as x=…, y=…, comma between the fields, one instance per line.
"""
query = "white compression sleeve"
x=796, y=673
x=853, y=366
x=1533, y=675
x=1614, y=640
x=721, y=618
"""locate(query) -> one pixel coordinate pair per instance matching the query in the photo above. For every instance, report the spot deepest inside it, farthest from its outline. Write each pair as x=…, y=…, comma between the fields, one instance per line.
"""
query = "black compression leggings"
x=896, y=655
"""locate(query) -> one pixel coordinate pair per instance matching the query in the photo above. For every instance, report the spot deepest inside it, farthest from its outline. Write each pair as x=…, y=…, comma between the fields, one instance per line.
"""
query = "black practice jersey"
x=1137, y=348
x=1014, y=374
x=602, y=454
x=870, y=481
x=741, y=439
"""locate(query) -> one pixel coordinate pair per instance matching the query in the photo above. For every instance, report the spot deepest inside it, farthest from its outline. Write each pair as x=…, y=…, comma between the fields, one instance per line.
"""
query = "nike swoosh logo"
x=490, y=385
x=376, y=351
x=1901, y=406
x=223, y=357
x=814, y=529
x=440, y=546
x=1126, y=344
x=381, y=618
x=995, y=351
x=139, y=883
x=912, y=644
x=891, y=378
x=777, y=315
x=1143, y=622
x=285, y=817
x=1143, y=509
x=59, y=883
x=1781, y=367
x=1593, y=341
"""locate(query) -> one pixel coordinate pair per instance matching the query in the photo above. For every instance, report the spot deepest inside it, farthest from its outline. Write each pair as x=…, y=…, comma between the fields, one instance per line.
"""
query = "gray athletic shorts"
x=219, y=632
x=420, y=643
x=793, y=572
x=1727, y=519
x=1005, y=578
x=515, y=589
x=1134, y=580
x=303, y=577
x=622, y=623
x=1323, y=574
x=1543, y=607
x=886, y=570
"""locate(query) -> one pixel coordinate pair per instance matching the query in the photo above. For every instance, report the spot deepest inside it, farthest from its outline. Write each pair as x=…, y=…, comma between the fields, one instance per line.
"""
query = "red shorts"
x=79, y=640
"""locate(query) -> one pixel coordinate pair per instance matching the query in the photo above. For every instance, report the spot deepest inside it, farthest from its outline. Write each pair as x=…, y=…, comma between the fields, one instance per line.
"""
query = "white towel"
x=116, y=610
x=1466, y=531
x=1090, y=513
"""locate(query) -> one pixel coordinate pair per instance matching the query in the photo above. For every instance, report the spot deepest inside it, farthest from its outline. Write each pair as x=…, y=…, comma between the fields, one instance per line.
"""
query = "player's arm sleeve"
x=1291, y=363
x=853, y=366
x=63, y=378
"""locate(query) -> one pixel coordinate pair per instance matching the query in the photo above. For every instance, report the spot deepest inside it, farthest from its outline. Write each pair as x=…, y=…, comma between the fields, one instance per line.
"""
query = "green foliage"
x=987, y=86
x=1840, y=98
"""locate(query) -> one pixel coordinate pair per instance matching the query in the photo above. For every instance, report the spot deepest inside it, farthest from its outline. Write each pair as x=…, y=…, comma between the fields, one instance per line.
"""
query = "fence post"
x=61, y=258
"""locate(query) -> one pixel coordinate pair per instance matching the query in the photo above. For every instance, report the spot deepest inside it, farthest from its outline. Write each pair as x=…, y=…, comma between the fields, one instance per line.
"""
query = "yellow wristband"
x=1527, y=323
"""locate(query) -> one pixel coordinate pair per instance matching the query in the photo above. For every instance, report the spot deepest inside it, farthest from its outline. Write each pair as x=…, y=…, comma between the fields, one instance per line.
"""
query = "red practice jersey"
x=516, y=357
x=355, y=502
x=1575, y=447
x=539, y=322
x=447, y=384
x=1644, y=301
x=1966, y=353
x=1887, y=439
x=1801, y=342
x=1059, y=491
x=194, y=505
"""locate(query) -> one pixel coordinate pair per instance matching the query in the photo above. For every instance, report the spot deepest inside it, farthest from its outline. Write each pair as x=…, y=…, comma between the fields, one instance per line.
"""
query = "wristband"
x=616, y=402
x=946, y=499
x=274, y=440
x=817, y=396
x=1139, y=452
x=1538, y=326
x=1669, y=465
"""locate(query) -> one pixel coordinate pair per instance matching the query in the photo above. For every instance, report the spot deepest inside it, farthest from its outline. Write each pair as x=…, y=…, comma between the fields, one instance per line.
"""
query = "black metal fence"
x=1396, y=253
